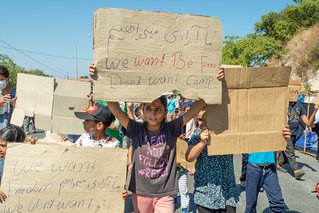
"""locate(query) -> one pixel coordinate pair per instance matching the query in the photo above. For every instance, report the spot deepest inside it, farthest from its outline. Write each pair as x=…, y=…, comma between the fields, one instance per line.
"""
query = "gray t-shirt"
x=295, y=111
x=154, y=156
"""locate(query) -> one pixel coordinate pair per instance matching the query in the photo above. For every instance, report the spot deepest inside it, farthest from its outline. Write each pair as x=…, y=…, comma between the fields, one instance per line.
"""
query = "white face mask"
x=3, y=84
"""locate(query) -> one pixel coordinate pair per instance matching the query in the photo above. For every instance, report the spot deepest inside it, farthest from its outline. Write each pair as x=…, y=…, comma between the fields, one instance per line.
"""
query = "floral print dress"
x=215, y=184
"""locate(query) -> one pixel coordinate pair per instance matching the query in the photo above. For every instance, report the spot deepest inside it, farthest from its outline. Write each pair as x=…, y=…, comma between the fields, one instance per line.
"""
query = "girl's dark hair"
x=12, y=133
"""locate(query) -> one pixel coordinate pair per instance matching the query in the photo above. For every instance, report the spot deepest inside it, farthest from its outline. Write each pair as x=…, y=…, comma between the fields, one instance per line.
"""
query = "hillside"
x=303, y=56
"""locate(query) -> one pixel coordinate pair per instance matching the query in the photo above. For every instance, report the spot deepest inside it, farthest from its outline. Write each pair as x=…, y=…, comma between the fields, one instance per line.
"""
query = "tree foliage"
x=285, y=24
x=14, y=69
x=274, y=30
x=250, y=51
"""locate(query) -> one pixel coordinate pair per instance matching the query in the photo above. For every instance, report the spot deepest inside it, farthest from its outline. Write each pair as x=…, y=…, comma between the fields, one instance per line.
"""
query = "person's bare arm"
x=196, y=107
x=193, y=152
x=312, y=117
x=305, y=119
x=118, y=113
x=130, y=159
x=113, y=106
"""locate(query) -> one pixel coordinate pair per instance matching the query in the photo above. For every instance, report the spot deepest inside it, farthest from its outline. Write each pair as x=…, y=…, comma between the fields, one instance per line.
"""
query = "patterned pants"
x=183, y=191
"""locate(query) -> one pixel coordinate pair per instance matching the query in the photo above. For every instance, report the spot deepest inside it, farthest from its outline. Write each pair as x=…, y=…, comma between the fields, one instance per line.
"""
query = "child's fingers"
x=92, y=69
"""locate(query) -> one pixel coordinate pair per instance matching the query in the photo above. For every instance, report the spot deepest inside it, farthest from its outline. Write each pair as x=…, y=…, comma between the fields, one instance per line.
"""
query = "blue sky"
x=52, y=26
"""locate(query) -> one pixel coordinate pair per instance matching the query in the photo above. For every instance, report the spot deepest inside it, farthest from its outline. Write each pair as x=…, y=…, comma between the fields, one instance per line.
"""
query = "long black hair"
x=12, y=133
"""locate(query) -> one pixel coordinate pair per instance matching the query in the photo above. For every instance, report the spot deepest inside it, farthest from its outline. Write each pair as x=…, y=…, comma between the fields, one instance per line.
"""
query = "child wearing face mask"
x=7, y=98
x=96, y=119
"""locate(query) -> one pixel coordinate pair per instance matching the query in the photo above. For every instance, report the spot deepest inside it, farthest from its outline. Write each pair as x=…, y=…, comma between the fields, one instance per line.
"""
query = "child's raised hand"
x=221, y=74
x=286, y=132
x=316, y=106
x=92, y=69
x=205, y=137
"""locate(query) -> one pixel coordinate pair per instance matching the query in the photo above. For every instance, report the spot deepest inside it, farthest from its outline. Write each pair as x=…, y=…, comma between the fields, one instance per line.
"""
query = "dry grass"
x=302, y=55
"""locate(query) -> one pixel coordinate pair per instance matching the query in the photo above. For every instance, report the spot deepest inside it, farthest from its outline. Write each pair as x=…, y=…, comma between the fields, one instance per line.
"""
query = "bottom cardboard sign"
x=56, y=178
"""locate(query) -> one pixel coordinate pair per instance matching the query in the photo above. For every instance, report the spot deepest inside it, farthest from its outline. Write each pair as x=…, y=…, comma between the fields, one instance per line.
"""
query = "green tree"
x=271, y=34
x=285, y=24
x=250, y=51
x=14, y=69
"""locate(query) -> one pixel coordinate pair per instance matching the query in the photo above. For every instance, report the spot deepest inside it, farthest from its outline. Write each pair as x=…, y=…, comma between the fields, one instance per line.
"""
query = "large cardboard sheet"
x=182, y=146
x=53, y=178
x=35, y=97
x=52, y=102
x=69, y=97
x=253, y=112
x=141, y=55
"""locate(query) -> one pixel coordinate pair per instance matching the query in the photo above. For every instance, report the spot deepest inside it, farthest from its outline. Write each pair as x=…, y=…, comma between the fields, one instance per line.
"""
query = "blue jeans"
x=266, y=177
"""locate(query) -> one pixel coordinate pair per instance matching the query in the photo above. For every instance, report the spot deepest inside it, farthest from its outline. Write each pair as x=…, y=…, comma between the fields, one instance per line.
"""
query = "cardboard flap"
x=261, y=77
x=52, y=102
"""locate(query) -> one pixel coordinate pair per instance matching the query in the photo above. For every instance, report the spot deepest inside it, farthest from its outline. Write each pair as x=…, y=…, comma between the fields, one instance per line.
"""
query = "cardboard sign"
x=141, y=55
x=181, y=147
x=69, y=97
x=52, y=102
x=253, y=112
x=35, y=96
x=53, y=178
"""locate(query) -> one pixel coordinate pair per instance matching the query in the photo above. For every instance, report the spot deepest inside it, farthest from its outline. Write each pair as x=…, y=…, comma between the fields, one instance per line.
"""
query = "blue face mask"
x=3, y=84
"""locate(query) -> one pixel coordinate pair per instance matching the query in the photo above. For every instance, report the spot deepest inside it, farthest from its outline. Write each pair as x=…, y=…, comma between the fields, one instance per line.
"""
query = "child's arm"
x=118, y=113
x=113, y=106
x=312, y=117
x=196, y=107
x=193, y=152
x=128, y=111
x=130, y=158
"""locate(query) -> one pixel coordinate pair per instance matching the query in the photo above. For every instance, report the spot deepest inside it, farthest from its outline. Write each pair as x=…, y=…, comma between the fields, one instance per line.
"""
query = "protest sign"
x=253, y=112
x=52, y=102
x=141, y=55
x=35, y=96
x=182, y=146
x=69, y=97
x=53, y=178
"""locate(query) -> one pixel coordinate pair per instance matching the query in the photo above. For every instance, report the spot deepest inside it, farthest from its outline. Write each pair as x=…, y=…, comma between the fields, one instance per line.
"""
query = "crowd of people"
x=150, y=132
